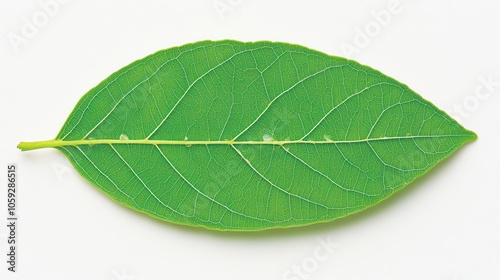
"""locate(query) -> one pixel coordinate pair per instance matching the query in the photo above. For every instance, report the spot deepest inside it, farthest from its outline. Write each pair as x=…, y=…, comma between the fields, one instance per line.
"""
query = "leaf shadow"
x=314, y=229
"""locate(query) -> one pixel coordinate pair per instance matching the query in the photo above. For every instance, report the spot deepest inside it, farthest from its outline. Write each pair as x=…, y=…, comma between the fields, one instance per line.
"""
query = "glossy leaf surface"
x=250, y=136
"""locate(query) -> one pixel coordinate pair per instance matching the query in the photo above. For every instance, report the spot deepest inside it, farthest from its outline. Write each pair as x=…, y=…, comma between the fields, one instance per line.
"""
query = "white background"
x=445, y=226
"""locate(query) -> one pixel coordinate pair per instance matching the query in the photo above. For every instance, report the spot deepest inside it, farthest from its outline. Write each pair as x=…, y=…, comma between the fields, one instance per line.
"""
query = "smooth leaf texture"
x=250, y=136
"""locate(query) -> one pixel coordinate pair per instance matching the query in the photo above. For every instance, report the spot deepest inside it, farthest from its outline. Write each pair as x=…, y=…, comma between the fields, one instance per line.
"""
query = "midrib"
x=26, y=146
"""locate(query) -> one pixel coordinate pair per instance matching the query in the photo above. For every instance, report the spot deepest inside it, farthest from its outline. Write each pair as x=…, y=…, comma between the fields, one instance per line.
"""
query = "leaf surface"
x=250, y=136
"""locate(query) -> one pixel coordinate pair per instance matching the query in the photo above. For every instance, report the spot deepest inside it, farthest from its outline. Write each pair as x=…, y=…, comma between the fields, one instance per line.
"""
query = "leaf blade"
x=251, y=136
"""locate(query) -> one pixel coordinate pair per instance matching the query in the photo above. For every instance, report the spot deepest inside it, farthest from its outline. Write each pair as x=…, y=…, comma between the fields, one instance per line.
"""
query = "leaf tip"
x=472, y=135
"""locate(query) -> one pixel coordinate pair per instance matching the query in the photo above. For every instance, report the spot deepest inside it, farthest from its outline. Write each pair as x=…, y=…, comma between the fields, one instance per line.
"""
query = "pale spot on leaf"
x=267, y=137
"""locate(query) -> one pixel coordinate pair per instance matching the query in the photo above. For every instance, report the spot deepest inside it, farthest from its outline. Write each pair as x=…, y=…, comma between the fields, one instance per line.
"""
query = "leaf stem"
x=28, y=146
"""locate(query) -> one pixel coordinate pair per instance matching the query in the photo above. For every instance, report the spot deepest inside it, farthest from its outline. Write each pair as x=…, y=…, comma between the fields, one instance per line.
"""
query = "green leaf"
x=250, y=136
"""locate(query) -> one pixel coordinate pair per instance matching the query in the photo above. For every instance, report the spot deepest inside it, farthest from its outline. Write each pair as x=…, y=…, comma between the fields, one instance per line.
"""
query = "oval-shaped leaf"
x=250, y=136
